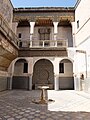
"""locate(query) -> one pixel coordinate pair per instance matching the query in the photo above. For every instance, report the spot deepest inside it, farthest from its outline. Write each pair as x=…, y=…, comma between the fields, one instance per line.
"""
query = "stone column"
x=10, y=75
x=77, y=84
x=56, y=82
x=30, y=82
x=55, y=30
x=87, y=85
x=10, y=83
x=32, y=24
x=73, y=33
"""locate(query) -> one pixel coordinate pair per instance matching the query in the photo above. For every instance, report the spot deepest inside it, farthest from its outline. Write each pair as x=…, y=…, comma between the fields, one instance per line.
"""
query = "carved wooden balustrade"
x=42, y=43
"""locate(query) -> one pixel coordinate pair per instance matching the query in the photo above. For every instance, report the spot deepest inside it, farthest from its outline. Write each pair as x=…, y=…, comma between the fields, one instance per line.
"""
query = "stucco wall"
x=18, y=69
x=82, y=38
x=82, y=13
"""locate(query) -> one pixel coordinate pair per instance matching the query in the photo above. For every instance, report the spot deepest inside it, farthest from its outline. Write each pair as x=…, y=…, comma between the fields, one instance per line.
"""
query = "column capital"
x=32, y=24
x=55, y=23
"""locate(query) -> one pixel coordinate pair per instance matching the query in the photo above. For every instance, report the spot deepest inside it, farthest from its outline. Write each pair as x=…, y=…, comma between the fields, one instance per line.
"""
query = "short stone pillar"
x=56, y=82
x=77, y=84
x=30, y=82
x=87, y=85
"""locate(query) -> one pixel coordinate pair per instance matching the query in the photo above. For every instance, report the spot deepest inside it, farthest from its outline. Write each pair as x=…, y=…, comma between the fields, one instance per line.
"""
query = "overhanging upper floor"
x=8, y=45
x=53, y=13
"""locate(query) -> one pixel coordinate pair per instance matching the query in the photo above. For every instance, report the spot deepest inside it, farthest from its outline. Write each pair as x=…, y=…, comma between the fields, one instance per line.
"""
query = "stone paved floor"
x=18, y=105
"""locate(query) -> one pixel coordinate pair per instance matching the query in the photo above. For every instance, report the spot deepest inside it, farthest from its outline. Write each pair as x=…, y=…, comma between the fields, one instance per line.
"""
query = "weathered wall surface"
x=6, y=15
x=6, y=11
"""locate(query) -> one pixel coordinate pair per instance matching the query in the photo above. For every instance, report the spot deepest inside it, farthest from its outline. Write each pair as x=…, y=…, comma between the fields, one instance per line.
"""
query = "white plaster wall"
x=32, y=61
x=68, y=70
x=73, y=33
x=18, y=70
x=82, y=38
x=80, y=64
x=82, y=13
x=83, y=34
x=83, y=59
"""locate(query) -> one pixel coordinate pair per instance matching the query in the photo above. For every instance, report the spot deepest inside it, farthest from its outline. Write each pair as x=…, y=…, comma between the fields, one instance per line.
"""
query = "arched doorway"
x=43, y=73
x=66, y=79
x=20, y=79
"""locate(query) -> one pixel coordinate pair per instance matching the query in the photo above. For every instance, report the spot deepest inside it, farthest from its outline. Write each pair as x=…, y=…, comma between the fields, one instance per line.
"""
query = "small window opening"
x=19, y=35
x=61, y=68
x=25, y=70
x=78, y=24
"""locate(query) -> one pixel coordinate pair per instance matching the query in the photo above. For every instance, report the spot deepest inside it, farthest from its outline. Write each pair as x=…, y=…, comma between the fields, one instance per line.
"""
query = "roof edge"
x=44, y=9
x=77, y=3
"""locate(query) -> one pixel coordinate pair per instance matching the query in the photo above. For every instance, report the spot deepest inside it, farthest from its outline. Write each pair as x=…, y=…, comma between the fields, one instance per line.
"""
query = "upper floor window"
x=19, y=35
x=44, y=33
x=78, y=24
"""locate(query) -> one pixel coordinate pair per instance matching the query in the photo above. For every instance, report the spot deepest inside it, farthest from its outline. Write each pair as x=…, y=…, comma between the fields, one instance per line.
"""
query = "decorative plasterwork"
x=7, y=53
x=7, y=46
x=19, y=18
x=33, y=16
x=64, y=18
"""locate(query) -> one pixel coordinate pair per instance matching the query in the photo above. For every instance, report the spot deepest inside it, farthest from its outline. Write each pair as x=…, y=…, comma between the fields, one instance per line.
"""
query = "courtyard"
x=67, y=105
